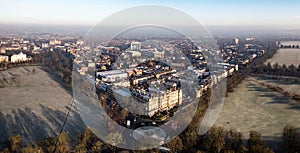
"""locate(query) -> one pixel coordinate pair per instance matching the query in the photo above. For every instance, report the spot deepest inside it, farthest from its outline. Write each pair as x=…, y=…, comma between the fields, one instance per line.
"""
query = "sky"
x=267, y=13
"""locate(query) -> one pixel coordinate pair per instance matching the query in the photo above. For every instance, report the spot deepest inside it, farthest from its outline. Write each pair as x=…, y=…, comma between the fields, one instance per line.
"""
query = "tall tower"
x=236, y=40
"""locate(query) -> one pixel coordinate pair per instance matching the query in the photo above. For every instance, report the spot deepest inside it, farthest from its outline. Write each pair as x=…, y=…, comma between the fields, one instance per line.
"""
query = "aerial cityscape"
x=131, y=81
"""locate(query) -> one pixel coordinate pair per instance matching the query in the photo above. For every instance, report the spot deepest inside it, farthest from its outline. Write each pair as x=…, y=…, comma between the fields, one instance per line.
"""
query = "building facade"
x=21, y=57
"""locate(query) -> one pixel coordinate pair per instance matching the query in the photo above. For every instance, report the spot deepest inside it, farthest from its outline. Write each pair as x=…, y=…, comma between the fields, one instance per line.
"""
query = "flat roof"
x=110, y=72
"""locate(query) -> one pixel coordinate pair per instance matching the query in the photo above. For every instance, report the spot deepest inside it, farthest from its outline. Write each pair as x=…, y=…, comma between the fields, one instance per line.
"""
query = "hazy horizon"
x=268, y=13
x=216, y=30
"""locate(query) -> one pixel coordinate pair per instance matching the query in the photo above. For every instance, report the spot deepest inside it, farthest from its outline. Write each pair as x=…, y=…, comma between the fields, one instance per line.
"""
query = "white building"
x=18, y=57
x=55, y=42
x=236, y=40
x=44, y=45
x=136, y=46
x=117, y=77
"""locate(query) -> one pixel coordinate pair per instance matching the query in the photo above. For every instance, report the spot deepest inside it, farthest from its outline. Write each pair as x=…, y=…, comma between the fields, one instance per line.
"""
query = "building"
x=3, y=59
x=45, y=45
x=158, y=101
x=55, y=42
x=158, y=54
x=136, y=46
x=2, y=50
x=21, y=57
x=116, y=77
x=91, y=64
x=236, y=40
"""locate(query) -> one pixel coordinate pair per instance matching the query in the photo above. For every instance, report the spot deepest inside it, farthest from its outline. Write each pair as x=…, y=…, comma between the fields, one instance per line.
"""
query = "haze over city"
x=217, y=15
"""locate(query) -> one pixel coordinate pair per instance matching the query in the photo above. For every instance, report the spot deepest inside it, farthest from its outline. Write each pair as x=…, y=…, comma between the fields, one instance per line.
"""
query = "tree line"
x=289, y=46
x=276, y=69
x=59, y=62
x=216, y=140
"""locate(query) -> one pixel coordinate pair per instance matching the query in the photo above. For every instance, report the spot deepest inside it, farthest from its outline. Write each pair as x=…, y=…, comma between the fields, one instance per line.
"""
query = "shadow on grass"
x=275, y=97
x=254, y=87
x=273, y=142
x=57, y=79
x=283, y=80
x=31, y=126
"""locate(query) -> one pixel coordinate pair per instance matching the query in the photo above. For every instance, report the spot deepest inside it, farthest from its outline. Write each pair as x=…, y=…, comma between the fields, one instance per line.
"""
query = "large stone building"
x=21, y=57
x=162, y=101
x=149, y=104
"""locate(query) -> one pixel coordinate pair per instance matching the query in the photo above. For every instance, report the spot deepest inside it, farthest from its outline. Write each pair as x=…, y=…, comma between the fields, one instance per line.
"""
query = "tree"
x=63, y=143
x=123, y=114
x=289, y=138
x=219, y=143
x=33, y=149
x=268, y=68
x=219, y=139
x=277, y=68
x=80, y=148
x=5, y=150
x=292, y=70
x=255, y=139
x=256, y=144
x=284, y=70
x=214, y=140
x=234, y=140
x=97, y=147
x=175, y=145
x=242, y=149
x=114, y=139
x=2, y=85
x=15, y=143
x=86, y=141
x=190, y=138
x=3, y=81
x=11, y=83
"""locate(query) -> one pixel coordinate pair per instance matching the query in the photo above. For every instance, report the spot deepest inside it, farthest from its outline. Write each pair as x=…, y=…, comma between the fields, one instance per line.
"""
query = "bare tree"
x=289, y=138
x=15, y=143
x=3, y=82
x=11, y=82
x=175, y=144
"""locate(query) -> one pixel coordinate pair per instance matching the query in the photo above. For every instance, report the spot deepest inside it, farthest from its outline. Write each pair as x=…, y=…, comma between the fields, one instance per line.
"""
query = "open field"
x=290, y=42
x=34, y=104
x=286, y=56
x=254, y=107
